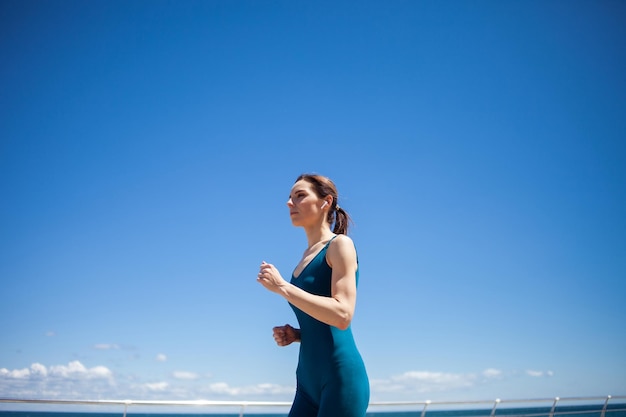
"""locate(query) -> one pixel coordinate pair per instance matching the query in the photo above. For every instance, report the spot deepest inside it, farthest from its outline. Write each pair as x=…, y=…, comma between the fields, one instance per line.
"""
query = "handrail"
x=244, y=404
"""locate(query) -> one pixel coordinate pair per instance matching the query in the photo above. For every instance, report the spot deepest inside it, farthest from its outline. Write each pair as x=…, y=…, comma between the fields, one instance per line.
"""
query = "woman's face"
x=305, y=207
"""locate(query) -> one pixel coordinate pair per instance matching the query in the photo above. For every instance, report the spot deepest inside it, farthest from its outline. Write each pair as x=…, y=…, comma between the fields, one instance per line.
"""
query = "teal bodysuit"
x=331, y=376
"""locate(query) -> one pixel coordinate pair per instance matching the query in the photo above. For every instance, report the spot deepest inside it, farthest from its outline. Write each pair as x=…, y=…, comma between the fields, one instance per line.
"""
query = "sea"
x=595, y=410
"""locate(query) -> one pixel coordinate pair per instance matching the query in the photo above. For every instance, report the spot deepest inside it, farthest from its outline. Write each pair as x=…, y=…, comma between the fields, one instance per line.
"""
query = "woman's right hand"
x=286, y=335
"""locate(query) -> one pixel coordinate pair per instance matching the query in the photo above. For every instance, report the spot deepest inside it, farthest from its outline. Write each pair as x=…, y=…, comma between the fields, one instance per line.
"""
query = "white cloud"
x=434, y=381
x=15, y=374
x=38, y=369
x=223, y=388
x=184, y=375
x=76, y=369
x=492, y=373
x=73, y=380
x=161, y=357
x=429, y=382
x=106, y=346
x=273, y=389
x=539, y=374
x=50, y=334
x=157, y=386
x=263, y=389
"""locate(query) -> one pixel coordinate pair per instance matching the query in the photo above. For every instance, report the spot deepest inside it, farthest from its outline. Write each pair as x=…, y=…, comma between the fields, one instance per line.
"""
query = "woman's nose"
x=289, y=203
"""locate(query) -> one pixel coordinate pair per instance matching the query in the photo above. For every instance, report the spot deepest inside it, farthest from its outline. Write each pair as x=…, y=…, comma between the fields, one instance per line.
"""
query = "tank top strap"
x=324, y=249
x=329, y=242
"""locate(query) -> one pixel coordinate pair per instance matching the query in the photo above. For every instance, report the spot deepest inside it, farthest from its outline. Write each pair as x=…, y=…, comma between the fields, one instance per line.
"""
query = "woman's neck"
x=318, y=234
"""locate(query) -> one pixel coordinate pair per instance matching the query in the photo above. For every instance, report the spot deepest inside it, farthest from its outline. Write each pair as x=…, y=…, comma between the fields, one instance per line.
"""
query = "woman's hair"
x=323, y=186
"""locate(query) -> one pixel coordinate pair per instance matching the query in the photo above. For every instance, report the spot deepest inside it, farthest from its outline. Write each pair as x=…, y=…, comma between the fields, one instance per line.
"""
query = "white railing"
x=495, y=405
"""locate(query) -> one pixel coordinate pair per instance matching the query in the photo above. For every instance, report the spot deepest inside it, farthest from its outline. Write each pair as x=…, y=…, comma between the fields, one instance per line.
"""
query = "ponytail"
x=342, y=221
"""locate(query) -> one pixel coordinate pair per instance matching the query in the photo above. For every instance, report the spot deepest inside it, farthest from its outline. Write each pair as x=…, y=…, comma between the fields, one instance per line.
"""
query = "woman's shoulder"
x=341, y=243
x=342, y=239
x=341, y=251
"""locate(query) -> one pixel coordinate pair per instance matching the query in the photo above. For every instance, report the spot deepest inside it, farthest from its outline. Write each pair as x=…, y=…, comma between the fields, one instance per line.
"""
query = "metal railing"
x=602, y=408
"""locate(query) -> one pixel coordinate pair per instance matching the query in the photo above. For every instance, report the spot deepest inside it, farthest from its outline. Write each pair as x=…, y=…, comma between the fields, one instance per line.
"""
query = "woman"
x=331, y=376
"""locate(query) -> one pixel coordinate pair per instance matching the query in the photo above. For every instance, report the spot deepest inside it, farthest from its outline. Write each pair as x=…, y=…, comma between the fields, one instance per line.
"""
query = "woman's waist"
x=315, y=365
x=328, y=353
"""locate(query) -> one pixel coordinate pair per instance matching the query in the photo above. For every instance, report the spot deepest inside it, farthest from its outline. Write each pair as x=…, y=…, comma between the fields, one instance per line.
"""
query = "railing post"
x=126, y=404
x=495, y=405
x=556, y=400
x=606, y=404
x=424, y=409
x=243, y=407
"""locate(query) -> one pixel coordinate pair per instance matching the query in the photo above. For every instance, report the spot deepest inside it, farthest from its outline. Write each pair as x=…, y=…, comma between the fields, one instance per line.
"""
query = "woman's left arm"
x=336, y=310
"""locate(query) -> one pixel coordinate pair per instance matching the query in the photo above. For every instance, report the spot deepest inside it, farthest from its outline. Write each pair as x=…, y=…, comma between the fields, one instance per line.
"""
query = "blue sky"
x=148, y=148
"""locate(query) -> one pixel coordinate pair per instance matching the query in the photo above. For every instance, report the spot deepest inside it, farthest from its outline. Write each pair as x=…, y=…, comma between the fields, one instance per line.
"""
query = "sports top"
x=331, y=375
